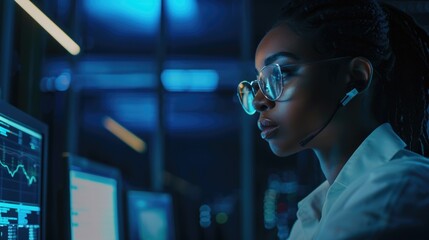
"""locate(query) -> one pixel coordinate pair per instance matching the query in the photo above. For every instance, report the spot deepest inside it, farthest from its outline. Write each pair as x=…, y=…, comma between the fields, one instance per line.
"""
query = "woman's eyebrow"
x=271, y=59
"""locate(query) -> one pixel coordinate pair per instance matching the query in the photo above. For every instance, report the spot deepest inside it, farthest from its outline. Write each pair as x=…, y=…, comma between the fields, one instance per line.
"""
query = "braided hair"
x=394, y=43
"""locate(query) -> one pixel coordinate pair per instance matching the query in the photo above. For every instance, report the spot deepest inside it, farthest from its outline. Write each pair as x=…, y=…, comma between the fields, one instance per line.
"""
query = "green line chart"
x=15, y=168
x=30, y=179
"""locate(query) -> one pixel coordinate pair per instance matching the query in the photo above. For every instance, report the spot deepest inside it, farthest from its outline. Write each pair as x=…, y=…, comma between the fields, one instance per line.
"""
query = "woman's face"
x=310, y=95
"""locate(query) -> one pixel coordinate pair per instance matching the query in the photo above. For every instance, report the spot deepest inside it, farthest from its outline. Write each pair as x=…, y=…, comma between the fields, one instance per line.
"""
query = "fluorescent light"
x=126, y=136
x=49, y=26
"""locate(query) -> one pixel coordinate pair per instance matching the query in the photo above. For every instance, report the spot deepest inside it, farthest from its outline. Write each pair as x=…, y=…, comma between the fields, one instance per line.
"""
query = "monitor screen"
x=94, y=200
x=150, y=216
x=22, y=160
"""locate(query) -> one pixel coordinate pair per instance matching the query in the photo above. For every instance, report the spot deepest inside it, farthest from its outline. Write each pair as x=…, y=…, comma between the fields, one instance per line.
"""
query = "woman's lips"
x=269, y=132
x=268, y=128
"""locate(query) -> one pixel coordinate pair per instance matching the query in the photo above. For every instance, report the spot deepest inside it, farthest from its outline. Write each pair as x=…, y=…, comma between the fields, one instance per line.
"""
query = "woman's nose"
x=261, y=103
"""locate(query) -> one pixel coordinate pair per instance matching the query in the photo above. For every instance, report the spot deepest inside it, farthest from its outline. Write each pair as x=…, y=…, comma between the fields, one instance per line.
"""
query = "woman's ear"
x=360, y=74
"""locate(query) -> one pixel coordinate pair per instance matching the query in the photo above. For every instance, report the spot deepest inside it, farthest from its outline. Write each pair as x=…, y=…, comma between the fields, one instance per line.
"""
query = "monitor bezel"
x=96, y=168
x=19, y=116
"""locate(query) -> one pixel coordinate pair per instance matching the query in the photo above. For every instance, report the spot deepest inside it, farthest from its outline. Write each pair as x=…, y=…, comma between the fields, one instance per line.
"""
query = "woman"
x=349, y=80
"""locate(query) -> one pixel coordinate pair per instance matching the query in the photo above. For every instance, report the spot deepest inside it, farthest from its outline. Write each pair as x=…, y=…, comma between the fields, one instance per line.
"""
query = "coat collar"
x=377, y=149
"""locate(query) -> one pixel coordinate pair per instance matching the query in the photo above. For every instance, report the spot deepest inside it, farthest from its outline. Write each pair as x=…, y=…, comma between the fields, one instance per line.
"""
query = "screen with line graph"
x=21, y=151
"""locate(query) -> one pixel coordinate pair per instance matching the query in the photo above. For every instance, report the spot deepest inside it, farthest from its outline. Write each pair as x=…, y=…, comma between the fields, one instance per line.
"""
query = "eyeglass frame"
x=280, y=67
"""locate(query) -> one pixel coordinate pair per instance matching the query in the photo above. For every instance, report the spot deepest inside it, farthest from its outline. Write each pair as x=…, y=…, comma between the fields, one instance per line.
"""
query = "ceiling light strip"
x=49, y=26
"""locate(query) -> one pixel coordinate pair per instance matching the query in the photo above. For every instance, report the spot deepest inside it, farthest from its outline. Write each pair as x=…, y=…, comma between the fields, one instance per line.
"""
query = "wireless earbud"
x=356, y=87
x=349, y=96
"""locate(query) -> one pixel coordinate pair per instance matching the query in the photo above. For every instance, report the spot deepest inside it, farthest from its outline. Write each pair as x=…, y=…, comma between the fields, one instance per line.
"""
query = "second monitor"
x=95, y=200
x=150, y=216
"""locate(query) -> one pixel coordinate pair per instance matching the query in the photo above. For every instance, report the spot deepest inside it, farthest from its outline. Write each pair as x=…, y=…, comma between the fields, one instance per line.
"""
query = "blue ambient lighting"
x=182, y=9
x=122, y=15
x=118, y=81
x=59, y=83
x=139, y=15
x=179, y=80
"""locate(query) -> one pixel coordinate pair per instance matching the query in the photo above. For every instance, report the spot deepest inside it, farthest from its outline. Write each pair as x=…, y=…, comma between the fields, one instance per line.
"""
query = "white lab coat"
x=382, y=192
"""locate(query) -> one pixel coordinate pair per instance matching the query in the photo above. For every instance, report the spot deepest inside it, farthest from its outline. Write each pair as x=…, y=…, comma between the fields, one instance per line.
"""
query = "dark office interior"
x=151, y=93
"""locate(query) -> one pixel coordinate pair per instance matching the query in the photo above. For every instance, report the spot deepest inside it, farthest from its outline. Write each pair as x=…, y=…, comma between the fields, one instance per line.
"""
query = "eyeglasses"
x=270, y=80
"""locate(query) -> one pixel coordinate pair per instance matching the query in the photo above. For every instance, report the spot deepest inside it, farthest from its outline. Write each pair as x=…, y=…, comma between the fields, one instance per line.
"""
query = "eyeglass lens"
x=246, y=96
x=269, y=82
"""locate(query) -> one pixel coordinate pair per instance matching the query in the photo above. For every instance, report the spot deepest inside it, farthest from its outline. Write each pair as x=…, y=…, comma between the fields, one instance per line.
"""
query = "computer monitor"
x=150, y=216
x=23, y=159
x=95, y=200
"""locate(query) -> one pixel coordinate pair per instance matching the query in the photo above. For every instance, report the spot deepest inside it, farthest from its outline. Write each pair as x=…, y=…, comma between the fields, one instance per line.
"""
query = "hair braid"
x=409, y=80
